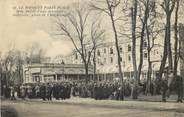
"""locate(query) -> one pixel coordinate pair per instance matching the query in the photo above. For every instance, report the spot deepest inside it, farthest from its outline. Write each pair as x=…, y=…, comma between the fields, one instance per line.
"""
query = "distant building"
x=41, y=73
x=107, y=64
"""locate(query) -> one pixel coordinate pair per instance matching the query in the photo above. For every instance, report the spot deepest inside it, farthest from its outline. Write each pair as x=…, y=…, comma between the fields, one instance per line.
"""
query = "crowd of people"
x=93, y=89
x=66, y=89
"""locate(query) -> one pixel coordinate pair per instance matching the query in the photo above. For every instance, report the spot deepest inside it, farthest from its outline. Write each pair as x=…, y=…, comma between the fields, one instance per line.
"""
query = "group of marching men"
x=47, y=91
x=97, y=90
x=64, y=90
x=44, y=91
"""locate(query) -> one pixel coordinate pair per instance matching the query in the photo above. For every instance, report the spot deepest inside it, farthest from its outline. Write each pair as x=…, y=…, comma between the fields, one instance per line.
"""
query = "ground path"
x=87, y=107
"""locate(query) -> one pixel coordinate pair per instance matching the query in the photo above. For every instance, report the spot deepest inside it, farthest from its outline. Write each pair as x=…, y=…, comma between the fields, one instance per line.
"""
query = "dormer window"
x=98, y=52
x=76, y=56
x=120, y=49
x=129, y=48
x=145, y=44
x=111, y=51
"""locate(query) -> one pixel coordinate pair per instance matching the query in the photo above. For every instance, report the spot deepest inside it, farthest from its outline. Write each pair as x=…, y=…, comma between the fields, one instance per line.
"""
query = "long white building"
x=107, y=62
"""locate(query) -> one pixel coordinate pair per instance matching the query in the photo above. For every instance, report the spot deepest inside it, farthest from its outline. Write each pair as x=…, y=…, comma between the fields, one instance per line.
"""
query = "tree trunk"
x=144, y=22
x=86, y=73
x=164, y=58
x=133, y=18
x=148, y=77
x=176, y=39
x=167, y=43
x=169, y=51
x=117, y=45
x=149, y=61
x=94, y=64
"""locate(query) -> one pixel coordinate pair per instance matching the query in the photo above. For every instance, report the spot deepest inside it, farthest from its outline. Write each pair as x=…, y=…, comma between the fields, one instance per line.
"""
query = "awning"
x=35, y=70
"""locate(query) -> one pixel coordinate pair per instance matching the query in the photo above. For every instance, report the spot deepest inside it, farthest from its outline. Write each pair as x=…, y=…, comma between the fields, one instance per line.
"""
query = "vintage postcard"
x=86, y=58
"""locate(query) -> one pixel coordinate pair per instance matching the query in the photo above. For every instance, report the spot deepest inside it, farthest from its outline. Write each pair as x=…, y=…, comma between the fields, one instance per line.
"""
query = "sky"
x=22, y=32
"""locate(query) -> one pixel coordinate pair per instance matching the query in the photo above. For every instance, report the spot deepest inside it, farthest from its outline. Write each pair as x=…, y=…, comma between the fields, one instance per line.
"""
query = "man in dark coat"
x=151, y=88
x=57, y=91
x=7, y=92
x=179, y=88
x=62, y=91
x=164, y=88
x=43, y=91
x=49, y=92
x=54, y=91
x=95, y=90
x=68, y=91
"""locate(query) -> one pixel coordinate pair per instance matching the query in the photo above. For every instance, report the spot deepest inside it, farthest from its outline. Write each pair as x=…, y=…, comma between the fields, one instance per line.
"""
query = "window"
x=111, y=60
x=120, y=49
x=145, y=44
x=76, y=56
x=98, y=61
x=123, y=63
x=154, y=52
x=98, y=52
x=111, y=51
x=104, y=60
x=36, y=77
x=129, y=48
x=145, y=55
x=129, y=57
x=120, y=59
x=104, y=50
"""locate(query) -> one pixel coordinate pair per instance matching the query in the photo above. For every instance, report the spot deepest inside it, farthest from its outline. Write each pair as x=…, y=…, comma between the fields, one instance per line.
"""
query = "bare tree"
x=134, y=24
x=181, y=47
x=74, y=24
x=152, y=31
x=8, y=66
x=176, y=56
x=1, y=69
x=19, y=61
x=109, y=7
x=11, y=65
x=168, y=7
x=97, y=35
x=144, y=6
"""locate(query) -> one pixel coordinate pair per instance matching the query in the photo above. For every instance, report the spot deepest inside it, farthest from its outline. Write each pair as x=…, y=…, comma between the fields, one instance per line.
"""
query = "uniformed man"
x=23, y=91
x=56, y=92
x=37, y=91
x=29, y=91
x=95, y=88
x=179, y=88
x=12, y=93
x=49, y=92
x=43, y=91
x=164, y=88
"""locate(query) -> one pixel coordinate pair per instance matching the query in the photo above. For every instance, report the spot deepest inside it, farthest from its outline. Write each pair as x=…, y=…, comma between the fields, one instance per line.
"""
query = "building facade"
x=107, y=61
x=48, y=72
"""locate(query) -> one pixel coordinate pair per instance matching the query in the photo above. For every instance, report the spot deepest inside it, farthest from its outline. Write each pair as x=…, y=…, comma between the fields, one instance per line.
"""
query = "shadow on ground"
x=7, y=111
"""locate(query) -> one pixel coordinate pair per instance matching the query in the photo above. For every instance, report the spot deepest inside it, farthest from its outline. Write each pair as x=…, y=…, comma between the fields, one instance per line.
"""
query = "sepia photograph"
x=92, y=58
